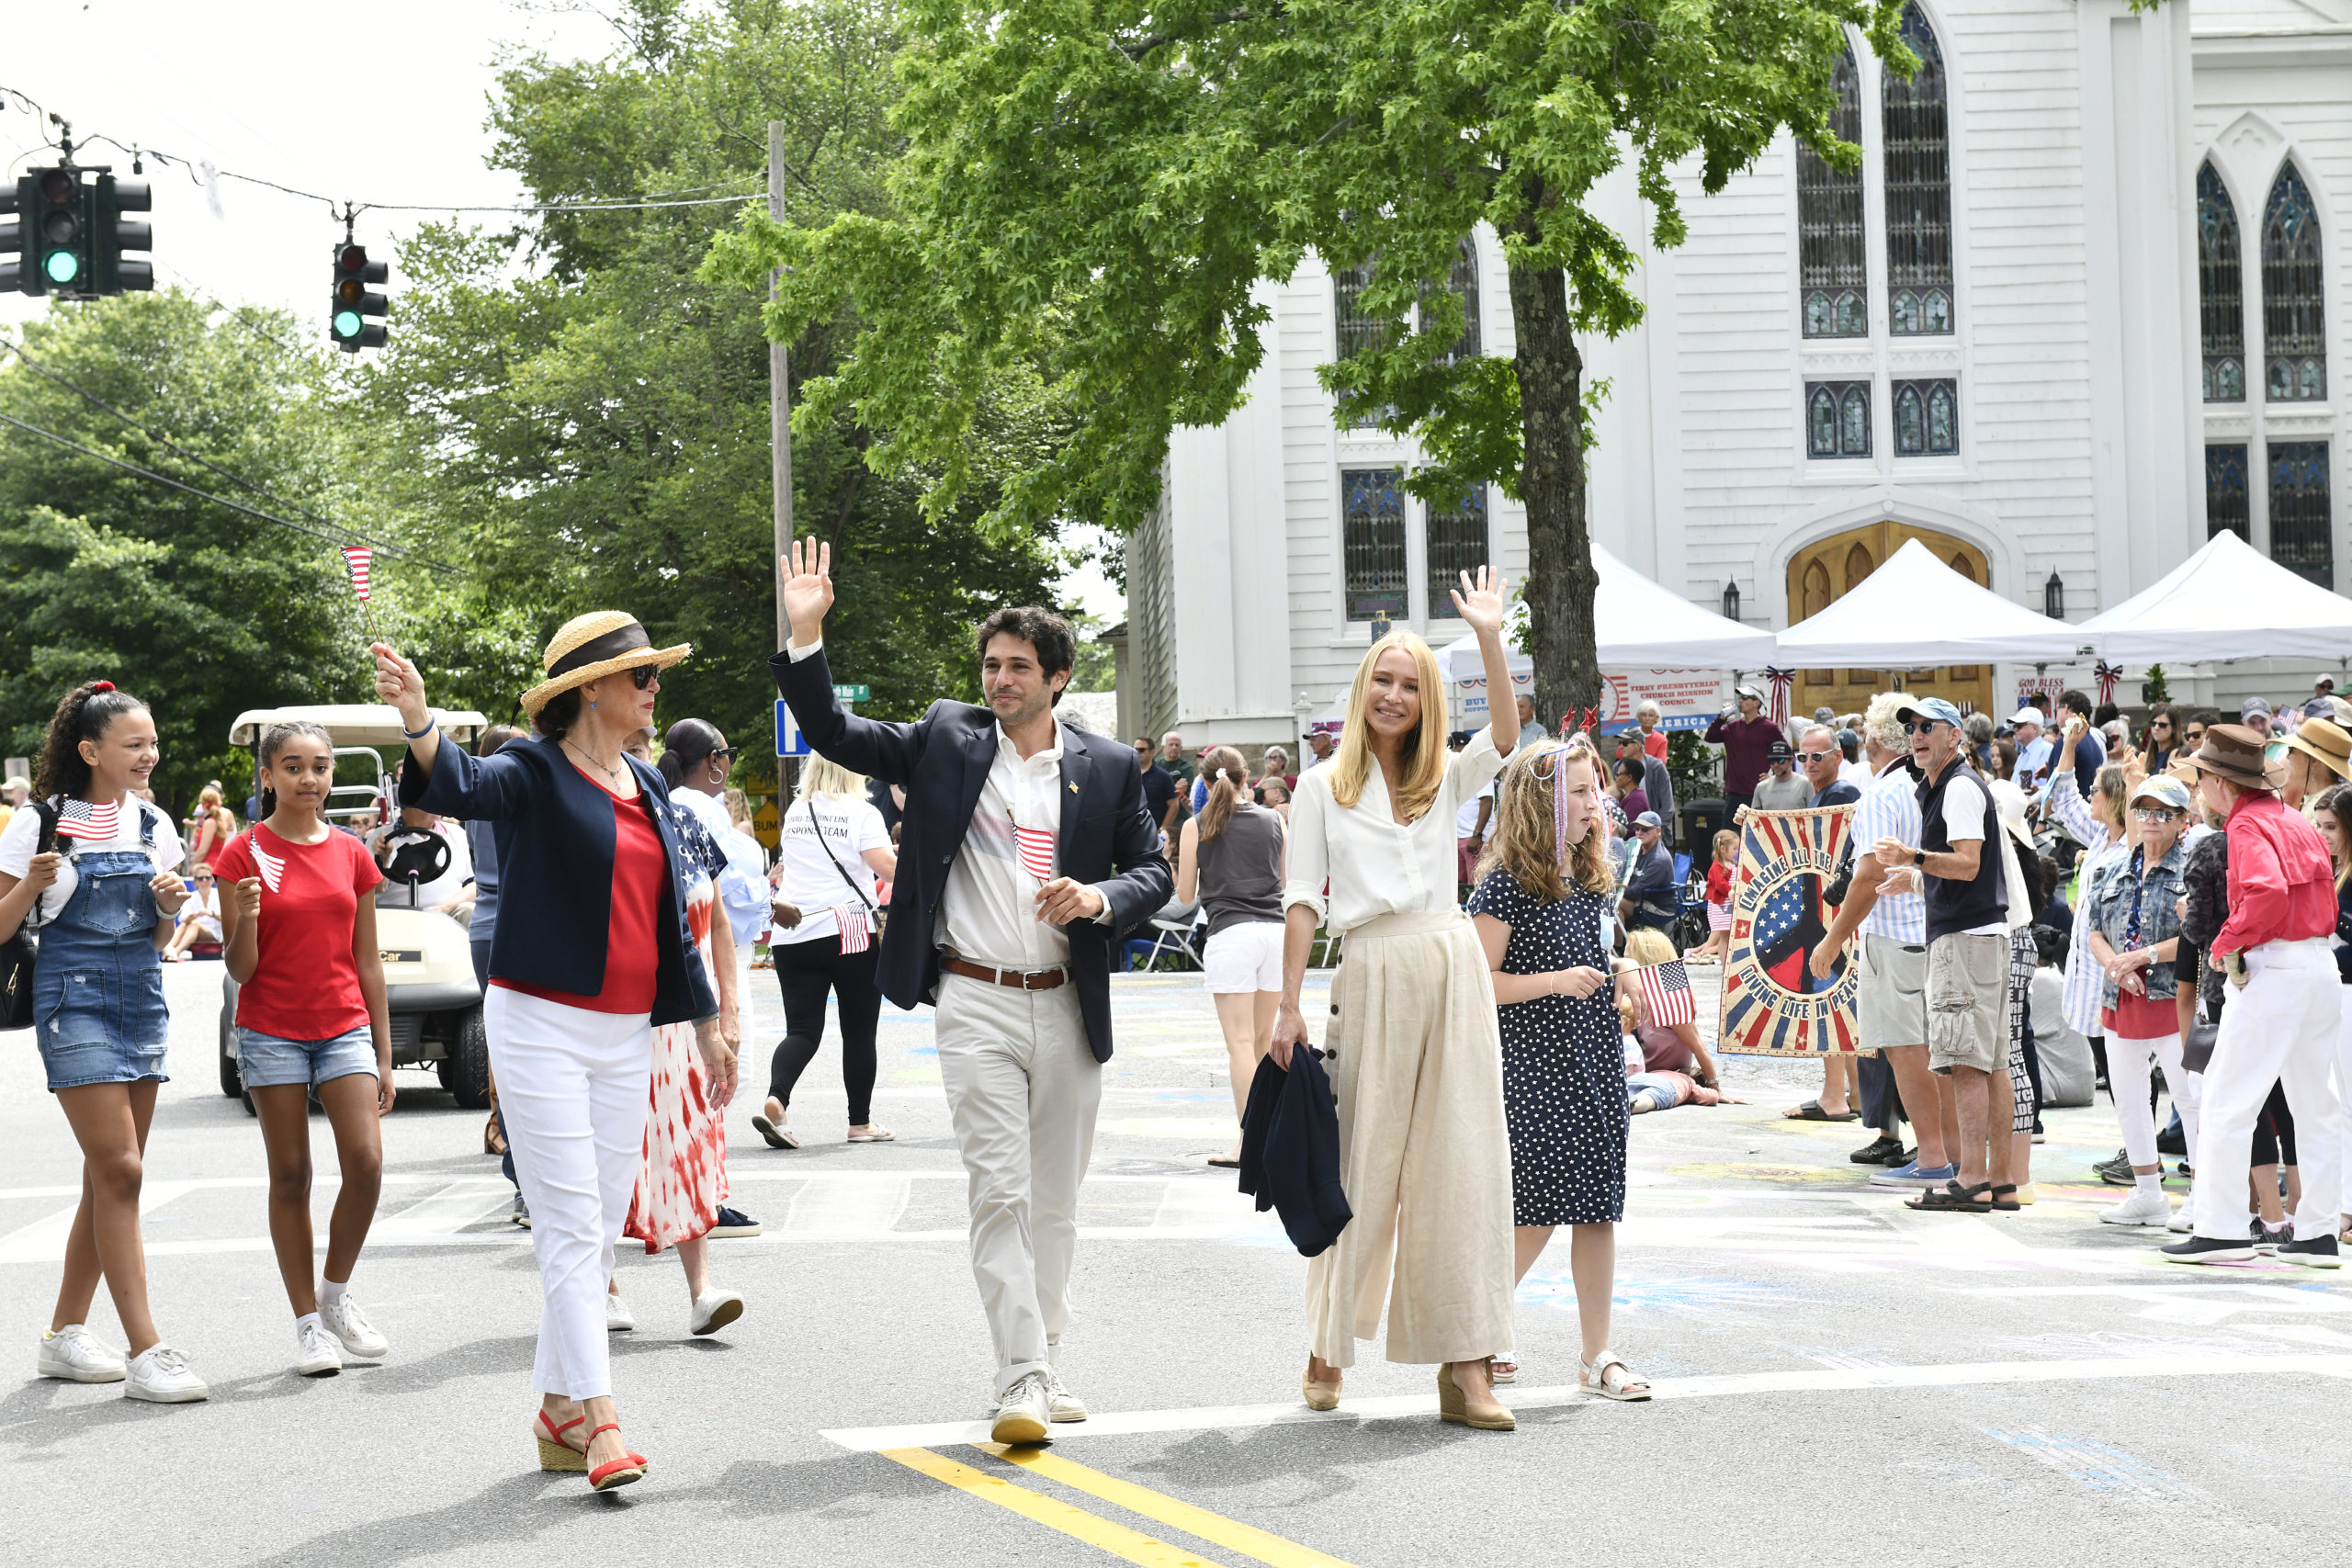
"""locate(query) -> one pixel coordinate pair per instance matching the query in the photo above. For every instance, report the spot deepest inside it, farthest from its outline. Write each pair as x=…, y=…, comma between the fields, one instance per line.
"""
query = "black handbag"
x=21, y=952
x=2196, y=1046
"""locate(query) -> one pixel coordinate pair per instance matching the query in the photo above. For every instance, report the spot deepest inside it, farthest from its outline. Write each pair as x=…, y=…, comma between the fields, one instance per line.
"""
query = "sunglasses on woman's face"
x=727, y=755
x=2161, y=724
x=2193, y=735
x=2155, y=814
x=643, y=675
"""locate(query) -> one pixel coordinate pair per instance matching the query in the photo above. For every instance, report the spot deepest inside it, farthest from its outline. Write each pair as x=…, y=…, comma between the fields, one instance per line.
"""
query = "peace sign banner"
x=1772, y=1004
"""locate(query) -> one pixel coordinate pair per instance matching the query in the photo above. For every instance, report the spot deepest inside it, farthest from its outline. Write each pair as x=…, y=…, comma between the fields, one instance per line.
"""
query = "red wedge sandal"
x=622, y=1472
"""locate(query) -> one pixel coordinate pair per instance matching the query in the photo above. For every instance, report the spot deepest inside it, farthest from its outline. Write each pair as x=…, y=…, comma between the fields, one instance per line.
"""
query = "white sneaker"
x=349, y=1325
x=77, y=1355
x=714, y=1310
x=316, y=1353
x=1060, y=1404
x=1023, y=1411
x=619, y=1319
x=2139, y=1209
x=2184, y=1222
x=161, y=1375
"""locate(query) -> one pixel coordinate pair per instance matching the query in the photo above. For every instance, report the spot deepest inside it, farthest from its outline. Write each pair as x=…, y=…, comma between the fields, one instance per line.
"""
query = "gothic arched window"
x=1919, y=189
x=1832, y=264
x=2221, y=289
x=2294, y=315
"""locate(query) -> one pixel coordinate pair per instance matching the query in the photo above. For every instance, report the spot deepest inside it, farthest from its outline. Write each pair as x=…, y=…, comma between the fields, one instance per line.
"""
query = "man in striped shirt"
x=1886, y=908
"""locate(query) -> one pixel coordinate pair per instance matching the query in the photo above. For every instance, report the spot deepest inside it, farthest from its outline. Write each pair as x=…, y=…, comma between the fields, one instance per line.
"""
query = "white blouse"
x=1375, y=864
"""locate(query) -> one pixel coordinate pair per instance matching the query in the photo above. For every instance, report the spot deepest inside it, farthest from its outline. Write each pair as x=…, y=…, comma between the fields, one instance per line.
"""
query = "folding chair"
x=1171, y=930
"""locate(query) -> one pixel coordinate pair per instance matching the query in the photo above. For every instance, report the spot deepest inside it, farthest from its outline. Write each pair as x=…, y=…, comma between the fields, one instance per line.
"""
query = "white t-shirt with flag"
x=805, y=875
x=21, y=838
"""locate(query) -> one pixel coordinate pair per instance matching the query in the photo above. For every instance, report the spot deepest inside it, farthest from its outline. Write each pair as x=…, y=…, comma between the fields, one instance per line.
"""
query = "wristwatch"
x=1919, y=857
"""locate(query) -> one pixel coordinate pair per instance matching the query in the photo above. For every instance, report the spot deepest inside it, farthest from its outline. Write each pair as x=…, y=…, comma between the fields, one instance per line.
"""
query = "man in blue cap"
x=1649, y=891
x=1968, y=950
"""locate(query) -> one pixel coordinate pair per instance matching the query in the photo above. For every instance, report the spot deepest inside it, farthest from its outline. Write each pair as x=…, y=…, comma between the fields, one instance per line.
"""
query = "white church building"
x=2078, y=309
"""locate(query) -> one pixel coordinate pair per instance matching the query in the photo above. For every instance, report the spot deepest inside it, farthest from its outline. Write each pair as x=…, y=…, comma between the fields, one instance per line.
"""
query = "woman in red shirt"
x=300, y=941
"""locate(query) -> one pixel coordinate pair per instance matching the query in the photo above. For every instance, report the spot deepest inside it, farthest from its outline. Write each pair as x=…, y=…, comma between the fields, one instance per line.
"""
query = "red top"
x=306, y=981
x=2141, y=1018
x=1719, y=884
x=2281, y=887
x=1748, y=745
x=632, y=956
x=1654, y=743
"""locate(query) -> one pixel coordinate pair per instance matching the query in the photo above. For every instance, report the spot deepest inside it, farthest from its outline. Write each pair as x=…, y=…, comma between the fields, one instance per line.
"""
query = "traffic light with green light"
x=68, y=236
x=355, y=303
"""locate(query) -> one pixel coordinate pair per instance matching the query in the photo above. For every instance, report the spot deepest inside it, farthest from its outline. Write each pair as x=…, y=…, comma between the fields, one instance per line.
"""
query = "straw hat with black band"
x=591, y=647
x=2322, y=741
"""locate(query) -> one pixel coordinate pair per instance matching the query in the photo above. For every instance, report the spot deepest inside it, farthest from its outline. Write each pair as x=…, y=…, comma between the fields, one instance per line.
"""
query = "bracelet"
x=418, y=734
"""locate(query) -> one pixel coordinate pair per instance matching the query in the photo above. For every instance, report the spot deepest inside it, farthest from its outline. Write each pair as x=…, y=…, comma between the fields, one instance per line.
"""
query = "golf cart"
x=434, y=1002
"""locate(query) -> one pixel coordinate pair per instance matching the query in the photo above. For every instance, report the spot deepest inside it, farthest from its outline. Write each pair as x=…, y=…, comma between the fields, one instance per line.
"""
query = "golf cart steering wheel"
x=425, y=857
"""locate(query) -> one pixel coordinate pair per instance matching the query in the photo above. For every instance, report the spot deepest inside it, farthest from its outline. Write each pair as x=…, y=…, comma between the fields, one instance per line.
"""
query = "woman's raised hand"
x=805, y=578
x=398, y=683
x=1480, y=603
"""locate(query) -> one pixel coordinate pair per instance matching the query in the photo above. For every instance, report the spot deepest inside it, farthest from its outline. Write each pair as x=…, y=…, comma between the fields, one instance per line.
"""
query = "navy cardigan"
x=554, y=829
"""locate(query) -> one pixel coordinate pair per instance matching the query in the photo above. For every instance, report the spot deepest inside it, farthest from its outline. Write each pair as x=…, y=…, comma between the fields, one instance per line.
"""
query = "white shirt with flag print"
x=20, y=841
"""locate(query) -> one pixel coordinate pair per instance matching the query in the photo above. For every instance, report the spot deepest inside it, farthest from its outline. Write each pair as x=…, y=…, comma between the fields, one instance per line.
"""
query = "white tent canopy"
x=1915, y=613
x=2228, y=600
x=1638, y=625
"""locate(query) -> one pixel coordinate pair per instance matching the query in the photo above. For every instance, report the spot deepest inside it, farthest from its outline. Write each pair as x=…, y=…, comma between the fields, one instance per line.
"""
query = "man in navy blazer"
x=1025, y=851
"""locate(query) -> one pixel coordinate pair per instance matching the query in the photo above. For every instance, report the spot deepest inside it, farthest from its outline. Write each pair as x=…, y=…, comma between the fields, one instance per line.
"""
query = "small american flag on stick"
x=856, y=929
x=96, y=824
x=1665, y=988
x=357, y=558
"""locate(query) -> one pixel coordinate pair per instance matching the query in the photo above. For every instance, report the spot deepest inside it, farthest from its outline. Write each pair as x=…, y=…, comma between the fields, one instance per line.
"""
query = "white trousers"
x=573, y=1087
x=746, y=1007
x=1023, y=1088
x=2128, y=1064
x=2282, y=1027
x=2344, y=1100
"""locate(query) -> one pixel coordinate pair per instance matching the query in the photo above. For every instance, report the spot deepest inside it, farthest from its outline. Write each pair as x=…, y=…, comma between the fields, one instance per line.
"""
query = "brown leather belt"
x=1023, y=979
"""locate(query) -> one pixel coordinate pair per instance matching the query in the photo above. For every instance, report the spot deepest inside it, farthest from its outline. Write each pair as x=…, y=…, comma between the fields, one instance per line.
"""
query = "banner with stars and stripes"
x=358, y=560
x=1772, y=1005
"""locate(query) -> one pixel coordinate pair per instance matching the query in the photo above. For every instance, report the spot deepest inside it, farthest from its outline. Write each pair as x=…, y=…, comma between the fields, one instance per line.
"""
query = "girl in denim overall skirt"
x=87, y=855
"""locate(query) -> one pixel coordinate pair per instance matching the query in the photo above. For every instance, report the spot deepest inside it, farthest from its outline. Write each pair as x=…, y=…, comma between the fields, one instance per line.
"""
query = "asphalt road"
x=1839, y=1380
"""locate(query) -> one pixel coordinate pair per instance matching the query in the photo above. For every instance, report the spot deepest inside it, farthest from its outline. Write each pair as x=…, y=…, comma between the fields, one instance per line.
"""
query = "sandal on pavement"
x=1455, y=1406
x=1811, y=1111
x=1505, y=1368
x=777, y=1134
x=875, y=1133
x=2005, y=1199
x=1952, y=1197
x=555, y=1453
x=627, y=1469
x=1593, y=1377
x=1319, y=1395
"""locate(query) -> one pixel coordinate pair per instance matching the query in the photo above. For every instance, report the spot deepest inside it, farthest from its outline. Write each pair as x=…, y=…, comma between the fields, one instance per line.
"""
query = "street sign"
x=857, y=692
x=789, y=741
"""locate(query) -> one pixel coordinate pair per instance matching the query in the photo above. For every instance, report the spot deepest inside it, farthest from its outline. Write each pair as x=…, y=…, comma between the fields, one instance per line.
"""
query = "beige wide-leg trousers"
x=1416, y=1060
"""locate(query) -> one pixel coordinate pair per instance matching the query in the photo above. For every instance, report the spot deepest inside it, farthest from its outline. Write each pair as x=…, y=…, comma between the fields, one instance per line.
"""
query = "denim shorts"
x=264, y=1061
x=100, y=1060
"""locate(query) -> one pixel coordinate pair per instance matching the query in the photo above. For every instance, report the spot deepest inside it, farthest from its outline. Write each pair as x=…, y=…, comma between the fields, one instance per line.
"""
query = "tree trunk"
x=1561, y=581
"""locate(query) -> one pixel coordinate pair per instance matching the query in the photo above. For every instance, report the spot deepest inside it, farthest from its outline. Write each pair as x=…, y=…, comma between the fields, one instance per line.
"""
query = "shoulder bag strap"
x=817, y=827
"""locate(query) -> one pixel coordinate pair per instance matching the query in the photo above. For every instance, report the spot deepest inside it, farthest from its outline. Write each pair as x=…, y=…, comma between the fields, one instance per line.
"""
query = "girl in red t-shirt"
x=300, y=944
x=1718, y=944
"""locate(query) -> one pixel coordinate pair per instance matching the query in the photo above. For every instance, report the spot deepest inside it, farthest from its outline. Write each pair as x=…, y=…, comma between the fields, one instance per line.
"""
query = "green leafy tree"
x=1091, y=194
x=201, y=611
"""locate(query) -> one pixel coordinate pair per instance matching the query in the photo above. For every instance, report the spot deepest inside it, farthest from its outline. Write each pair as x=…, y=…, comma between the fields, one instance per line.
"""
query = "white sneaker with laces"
x=316, y=1353
x=161, y=1375
x=2139, y=1209
x=714, y=1310
x=1060, y=1404
x=619, y=1319
x=348, y=1324
x=1023, y=1411
x=77, y=1355
x=2184, y=1221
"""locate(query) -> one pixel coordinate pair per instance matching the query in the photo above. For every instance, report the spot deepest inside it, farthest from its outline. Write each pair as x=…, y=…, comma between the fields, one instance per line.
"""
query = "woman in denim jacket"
x=2134, y=910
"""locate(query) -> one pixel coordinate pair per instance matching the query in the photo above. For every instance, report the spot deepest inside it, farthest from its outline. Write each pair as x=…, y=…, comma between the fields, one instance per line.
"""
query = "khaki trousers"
x=1416, y=1061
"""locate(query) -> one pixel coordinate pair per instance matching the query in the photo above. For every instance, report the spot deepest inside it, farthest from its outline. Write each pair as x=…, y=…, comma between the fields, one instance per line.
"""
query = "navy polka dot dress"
x=1564, y=1064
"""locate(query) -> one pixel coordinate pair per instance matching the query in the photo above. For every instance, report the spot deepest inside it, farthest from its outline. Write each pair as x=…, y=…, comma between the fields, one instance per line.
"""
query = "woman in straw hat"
x=590, y=952
x=1415, y=1055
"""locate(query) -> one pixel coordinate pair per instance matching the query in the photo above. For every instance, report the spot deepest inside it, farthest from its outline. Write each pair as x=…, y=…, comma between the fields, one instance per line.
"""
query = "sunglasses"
x=2156, y=814
x=1921, y=725
x=643, y=675
x=1811, y=757
x=728, y=754
x=2161, y=724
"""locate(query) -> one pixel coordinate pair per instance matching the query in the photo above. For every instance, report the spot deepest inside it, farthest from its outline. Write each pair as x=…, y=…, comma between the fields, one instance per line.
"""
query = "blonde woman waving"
x=1414, y=1058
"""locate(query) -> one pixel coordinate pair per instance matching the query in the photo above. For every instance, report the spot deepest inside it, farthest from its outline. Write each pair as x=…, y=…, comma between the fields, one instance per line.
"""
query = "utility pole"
x=779, y=400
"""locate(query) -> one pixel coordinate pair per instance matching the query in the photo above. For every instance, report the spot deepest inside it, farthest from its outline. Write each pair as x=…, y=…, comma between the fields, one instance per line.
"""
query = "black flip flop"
x=1952, y=1197
x=1226, y=1164
x=1811, y=1111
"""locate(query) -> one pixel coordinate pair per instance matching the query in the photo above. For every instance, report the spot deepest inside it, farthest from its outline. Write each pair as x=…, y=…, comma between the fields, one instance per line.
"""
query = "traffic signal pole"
x=779, y=399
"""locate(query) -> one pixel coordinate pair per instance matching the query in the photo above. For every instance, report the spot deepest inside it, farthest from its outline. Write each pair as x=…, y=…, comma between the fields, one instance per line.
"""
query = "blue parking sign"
x=789, y=741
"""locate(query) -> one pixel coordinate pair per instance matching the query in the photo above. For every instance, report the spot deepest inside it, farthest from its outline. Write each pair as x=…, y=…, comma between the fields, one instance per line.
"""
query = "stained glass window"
x=2221, y=289
x=1371, y=535
x=2302, y=526
x=1357, y=332
x=2294, y=317
x=1457, y=543
x=1838, y=419
x=2225, y=492
x=1832, y=272
x=1926, y=419
x=1919, y=189
x=1463, y=285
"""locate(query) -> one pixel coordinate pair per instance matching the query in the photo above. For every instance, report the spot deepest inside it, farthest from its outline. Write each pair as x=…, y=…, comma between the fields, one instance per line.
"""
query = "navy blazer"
x=942, y=761
x=554, y=829
x=1290, y=1149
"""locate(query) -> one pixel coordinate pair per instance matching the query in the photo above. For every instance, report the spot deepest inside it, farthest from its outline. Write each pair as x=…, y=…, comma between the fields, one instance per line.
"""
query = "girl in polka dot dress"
x=1542, y=885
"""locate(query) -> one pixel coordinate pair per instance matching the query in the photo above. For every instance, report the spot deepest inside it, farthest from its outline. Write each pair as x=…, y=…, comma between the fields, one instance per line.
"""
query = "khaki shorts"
x=1967, y=1003
x=1892, y=1002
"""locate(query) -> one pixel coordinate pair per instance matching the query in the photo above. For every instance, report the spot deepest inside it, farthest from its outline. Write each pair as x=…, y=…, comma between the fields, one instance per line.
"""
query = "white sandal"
x=1505, y=1368
x=1592, y=1377
x=875, y=1133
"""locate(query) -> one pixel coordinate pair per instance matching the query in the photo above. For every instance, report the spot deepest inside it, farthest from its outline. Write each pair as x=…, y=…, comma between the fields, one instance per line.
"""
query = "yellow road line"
x=1271, y=1550
x=1114, y=1538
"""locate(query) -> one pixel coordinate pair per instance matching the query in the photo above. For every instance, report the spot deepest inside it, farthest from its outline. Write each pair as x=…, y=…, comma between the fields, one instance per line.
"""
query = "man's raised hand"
x=805, y=578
